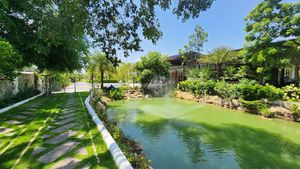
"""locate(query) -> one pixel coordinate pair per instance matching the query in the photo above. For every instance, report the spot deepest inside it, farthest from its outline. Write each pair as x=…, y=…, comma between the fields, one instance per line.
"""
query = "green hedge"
x=246, y=89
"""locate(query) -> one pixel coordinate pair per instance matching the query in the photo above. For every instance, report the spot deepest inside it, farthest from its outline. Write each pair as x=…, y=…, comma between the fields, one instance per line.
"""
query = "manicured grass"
x=17, y=149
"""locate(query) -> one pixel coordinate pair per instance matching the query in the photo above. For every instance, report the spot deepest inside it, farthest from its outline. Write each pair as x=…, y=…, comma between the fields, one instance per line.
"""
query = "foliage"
x=226, y=90
x=116, y=94
x=269, y=21
x=115, y=25
x=219, y=56
x=291, y=93
x=266, y=112
x=153, y=65
x=99, y=65
x=198, y=87
x=253, y=105
x=125, y=72
x=50, y=37
x=230, y=73
x=10, y=61
x=196, y=40
x=295, y=109
x=251, y=90
x=201, y=74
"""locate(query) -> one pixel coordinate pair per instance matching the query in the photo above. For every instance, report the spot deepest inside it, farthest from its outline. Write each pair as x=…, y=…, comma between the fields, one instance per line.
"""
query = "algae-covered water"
x=177, y=134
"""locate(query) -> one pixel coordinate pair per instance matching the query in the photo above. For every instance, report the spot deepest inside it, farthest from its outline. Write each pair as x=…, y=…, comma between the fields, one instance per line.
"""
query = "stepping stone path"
x=57, y=152
x=67, y=163
x=65, y=121
x=38, y=150
x=64, y=127
x=4, y=130
x=62, y=137
x=21, y=117
x=13, y=122
x=82, y=151
x=28, y=113
x=66, y=116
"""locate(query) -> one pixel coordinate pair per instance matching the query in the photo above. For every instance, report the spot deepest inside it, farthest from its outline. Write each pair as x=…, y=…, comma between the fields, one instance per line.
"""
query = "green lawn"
x=18, y=143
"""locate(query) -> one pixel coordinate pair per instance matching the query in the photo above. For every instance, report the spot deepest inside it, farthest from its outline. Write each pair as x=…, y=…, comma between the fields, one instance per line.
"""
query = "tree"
x=269, y=21
x=293, y=50
x=153, y=65
x=10, y=61
x=99, y=62
x=125, y=72
x=48, y=34
x=194, y=47
x=219, y=56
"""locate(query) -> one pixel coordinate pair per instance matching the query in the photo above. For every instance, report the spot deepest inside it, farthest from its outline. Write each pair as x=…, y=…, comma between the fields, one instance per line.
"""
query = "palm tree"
x=294, y=55
x=99, y=62
x=219, y=56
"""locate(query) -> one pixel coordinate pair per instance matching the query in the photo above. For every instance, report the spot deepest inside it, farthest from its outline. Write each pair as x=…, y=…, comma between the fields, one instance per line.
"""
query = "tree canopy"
x=269, y=22
x=53, y=34
x=153, y=65
x=10, y=61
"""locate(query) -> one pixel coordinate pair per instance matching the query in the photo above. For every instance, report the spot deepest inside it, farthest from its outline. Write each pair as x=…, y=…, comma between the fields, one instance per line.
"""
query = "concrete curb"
x=118, y=156
x=19, y=103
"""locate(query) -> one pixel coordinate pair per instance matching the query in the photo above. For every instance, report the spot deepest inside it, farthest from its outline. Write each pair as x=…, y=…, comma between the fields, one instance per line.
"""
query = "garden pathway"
x=53, y=134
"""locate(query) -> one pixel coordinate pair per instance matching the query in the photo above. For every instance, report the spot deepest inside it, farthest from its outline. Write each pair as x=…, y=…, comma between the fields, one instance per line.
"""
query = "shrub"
x=198, y=87
x=124, y=87
x=226, y=90
x=295, y=109
x=291, y=93
x=266, y=112
x=116, y=94
x=255, y=105
x=251, y=90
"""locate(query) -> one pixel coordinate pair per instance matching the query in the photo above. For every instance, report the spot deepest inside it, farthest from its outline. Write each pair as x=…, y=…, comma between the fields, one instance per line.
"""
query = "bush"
x=291, y=93
x=226, y=90
x=198, y=87
x=266, y=112
x=251, y=90
x=116, y=94
x=124, y=87
x=295, y=109
x=255, y=105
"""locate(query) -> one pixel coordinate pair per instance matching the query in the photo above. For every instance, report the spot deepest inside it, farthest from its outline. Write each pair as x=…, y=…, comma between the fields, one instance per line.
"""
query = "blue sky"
x=224, y=23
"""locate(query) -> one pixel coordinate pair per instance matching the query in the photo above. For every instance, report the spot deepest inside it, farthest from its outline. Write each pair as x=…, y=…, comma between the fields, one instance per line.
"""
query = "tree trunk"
x=92, y=80
x=102, y=78
x=297, y=75
x=218, y=70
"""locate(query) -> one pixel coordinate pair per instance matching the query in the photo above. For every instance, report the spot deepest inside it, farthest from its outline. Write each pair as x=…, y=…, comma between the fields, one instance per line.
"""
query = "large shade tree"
x=269, y=21
x=51, y=34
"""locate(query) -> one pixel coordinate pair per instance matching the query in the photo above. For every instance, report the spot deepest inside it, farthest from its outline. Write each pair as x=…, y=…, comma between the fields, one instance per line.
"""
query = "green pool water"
x=177, y=134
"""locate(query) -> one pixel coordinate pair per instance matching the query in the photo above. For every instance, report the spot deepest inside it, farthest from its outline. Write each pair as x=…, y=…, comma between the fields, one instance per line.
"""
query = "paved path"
x=54, y=133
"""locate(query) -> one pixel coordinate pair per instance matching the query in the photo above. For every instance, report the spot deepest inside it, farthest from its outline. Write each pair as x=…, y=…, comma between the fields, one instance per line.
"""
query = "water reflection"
x=171, y=142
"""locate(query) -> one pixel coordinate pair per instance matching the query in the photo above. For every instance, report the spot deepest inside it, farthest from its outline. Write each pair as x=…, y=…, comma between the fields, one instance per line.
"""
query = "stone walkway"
x=60, y=139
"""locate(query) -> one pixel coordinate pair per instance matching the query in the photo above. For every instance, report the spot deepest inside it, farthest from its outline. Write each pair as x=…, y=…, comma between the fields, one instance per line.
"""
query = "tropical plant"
x=293, y=49
x=200, y=73
x=219, y=56
x=153, y=65
x=99, y=62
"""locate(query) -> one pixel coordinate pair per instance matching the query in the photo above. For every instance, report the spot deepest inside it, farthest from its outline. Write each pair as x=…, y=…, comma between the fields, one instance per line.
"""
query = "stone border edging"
x=118, y=156
x=19, y=103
